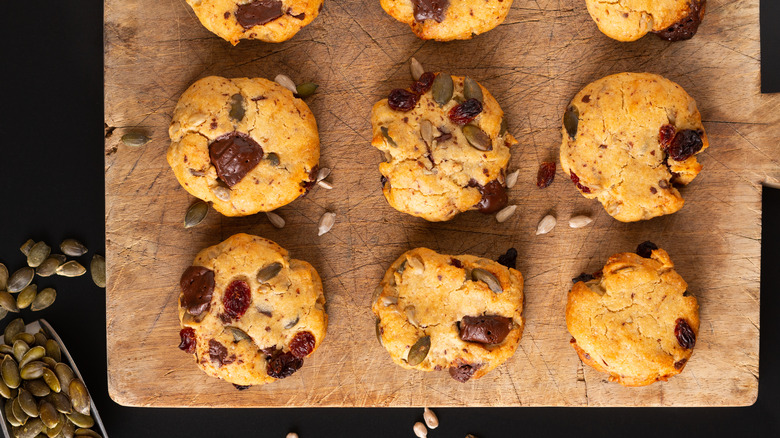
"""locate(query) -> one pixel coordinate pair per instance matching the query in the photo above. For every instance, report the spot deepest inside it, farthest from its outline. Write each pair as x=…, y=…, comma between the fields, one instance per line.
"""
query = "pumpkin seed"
x=222, y=193
x=37, y=387
x=51, y=363
x=9, y=414
x=273, y=159
x=30, y=429
x=51, y=380
x=79, y=397
x=81, y=420
x=71, y=269
x=411, y=315
x=511, y=178
x=386, y=134
x=32, y=370
x=5, y=391
x=546, y=224
x=13, y=328
x=24, y=336
x=503, y=128
x=26, y=246
x=415, y=68
x=306, y=89
x=472, y=90
x=27, y=402
x=292, y=323
x=20, y=349
x=18, y=411
x=64, y=375
x=32, y=354
x=44, y=299
x=195, y=214
x=286, y=82
x=6, y=349
x=477, y=138
x=53, y=350
x=135, y=139
x=326, y=223
x=237, y=110
x=40, y=339
x=60, y=402
x=50, y=265
x=54, y=432
x=505, y=213
x=268, y=272
x=73, y=248
x=488, y=278
x=3, y=312
x=48, y=414
x=276, y=220
x=68, y=429
x=97, y=267
x=8, y=302
x=419, y=351
x=442, y=88
x=26, y=296
x=38, y=253
x=20, y=279
x=3, y=277
x=81, y=432
x=426, y=131
x=10, y=372
x=571, y=118
x=238, y=334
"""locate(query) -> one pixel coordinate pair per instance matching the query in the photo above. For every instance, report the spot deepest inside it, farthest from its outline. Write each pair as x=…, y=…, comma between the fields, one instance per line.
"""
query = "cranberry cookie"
x=628, y=139
x=249, y=313
x=459, y=313
x=634, y=319
x=446, y=147
x=629, y=20
x=445, y=20
x=245, y=145
x=267, y=20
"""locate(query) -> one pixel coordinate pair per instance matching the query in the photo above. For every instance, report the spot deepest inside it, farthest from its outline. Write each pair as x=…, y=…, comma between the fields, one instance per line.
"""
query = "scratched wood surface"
x=540, y=57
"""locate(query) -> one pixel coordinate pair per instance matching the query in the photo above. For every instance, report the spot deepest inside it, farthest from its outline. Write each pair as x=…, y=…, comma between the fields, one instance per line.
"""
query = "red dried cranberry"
x=509, y=259
x=645, y=249
x=665, y=136
x=236, y=299
x=545, y=175
x=302, y=344
x=684, y=334
x=281, y=365
x=576, y=180
x=456, y=263
x=465, y=112
x=402, y=100
x=309, y=184
x=686, y=143
x=187, y=335
x=424, y=83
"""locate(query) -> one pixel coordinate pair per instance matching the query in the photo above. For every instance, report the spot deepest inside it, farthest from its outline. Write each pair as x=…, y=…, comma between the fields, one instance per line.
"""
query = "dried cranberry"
x=545, y=175
x=686, y=143
x=684, y=334
x=402, y=100
x=309, y=183
x=665, y=136
x=509, y=259
x=645, y=249
x=281, y=365
x=187, y=335
x=236, y=299
x=302, y=344
x=465, y=112
x=582, y=277
x=456, y=263
x=576, y=180
x=424, y=83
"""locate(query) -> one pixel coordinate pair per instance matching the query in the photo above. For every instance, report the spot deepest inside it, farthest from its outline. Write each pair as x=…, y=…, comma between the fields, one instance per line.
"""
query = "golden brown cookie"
x=267, y=20
x=445, y=20
x=459, y=313
x=245, y=145
x=634, y=319
x=629, y=20
x=446, y=147
x=628, y=140
x=249, y=313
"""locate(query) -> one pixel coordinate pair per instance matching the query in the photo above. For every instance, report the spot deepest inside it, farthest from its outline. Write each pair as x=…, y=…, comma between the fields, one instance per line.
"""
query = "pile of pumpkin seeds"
x=42, y=395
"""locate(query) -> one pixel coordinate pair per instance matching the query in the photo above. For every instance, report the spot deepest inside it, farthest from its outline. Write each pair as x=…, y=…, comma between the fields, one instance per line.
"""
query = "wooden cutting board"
x=533, y=64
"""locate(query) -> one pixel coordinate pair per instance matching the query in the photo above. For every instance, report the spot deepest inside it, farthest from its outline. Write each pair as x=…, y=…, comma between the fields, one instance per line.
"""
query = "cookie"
x=245, y=145
x=628, y=140
x=273, y=21
x=446, y=20
x=461, y=313
x=629, y=20
x=634, y=319
x=249, y=313
x=446, y=147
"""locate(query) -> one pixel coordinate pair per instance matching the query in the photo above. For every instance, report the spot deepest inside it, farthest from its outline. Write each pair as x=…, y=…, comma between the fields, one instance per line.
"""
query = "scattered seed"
x=325, y=185
x=487, y=277
x=71, y=269
x=326, y=223
x=135, y=139
x=505, y=213
x=579, y=221
x=20, y=279
x=419, y=351
x=292, y=323
x=571, y=118
x=511, y=178
x=471, y=89
x=286, y=82
x=419, y=430
x=8, y=302
x=73, y=248
x=269, y=272
x=50, y=265
x=386, y=134
x=237, y=111
x=276, y=220
x=222, y=193
x=430, y=419
x=546, y=225
x=26, y=246
x=196, y=213
x=416, y=68
x=44, y=299
x=38, y=253
x=3, y=277
x=477, y=138
x=442, y=88
x=98, y=270
x=322, y=174
x=26, y=296
x=306, y=89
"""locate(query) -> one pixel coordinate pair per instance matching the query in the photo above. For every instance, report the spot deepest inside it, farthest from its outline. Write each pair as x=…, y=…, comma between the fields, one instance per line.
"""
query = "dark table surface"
x=51, y=180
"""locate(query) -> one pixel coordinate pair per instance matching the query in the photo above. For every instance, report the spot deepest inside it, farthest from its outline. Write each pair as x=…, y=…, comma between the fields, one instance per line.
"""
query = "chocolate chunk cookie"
x=628, y=139
x=245, y=145
x=634, y=319
x=463, y=314
x=629, y=20
x=445, y=20
x=445, y=145
x=249, y=313
x=267, y=20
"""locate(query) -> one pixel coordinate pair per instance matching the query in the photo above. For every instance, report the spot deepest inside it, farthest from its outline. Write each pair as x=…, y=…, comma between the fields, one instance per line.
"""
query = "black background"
x=51, y=180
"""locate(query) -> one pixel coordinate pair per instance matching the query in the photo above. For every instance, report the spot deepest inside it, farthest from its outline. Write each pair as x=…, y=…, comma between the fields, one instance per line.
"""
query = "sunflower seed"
x=326, y=223
x=60, y=400
x=37, y=387
x=571, y=118
x=442, y=88
x=3, y=277
x=237, y=110
x=10, y=372
x=306, y=89
x=416, y=263
x=38, y=253
x=81, y=420
x=44, y=299
x=579, y=221
x=73, y=248
x=471, y=89
x=477, y=138
x=419, y=351
x=276, y=220
x=505, y=213
x=511, y=178
x=20, y=279
x=419, y=430
x=98, y=270
x=546, y=225
x=426, y=131
x=26, y=246
x=135, y=139
x=26, y=296
x=13, y=328
x=325, y=185
x=411, y=314
x=195, y=213
x=292, y=323
x=32, y=354
x=48, y=414
x=386, y=134
x=416, y=68
x=8, y=302
x=50, y=265
x=53, y=350
x=488, y=278
x=286, y=82
x=195, y=172
x=222, y=193
x=71, y=269
x=388, y=301
x=268, y=272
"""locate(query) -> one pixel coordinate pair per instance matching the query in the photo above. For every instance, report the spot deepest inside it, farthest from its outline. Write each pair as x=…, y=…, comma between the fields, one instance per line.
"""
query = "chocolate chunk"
x=281, y=365
x=582, y=277
x=430, y=10
x=494, y=196
x=462, y=372
x=509, y=259
x=485, y=329
x=218, y=353
x=645, y=249
x=680, y=364
x=258, y=12
x=242, y=387
x=687, y=26
x=234, y=155
x=300, y=16
x=197, y=287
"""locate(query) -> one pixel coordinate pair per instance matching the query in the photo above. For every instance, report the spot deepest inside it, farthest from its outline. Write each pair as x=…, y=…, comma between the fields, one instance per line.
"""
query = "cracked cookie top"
x=628, y=139
x=629, y=20
x=461, y=313
x=249, y=313
x=267, y=20
x=245, y=145
x=445, y=20
x=445, y=146
x=634, y=319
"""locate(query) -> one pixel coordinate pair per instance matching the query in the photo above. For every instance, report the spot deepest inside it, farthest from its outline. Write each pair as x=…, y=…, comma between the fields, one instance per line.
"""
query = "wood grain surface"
x=533, y=64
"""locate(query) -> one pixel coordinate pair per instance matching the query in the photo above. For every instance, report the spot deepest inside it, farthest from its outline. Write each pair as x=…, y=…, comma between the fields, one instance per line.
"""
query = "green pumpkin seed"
x=8, y=302
x=32, y=370
x=18, y=411
x=24, y=336
x=571, y=119
x=503, y=128
x=51, y=380
x=9, y=414
x=26, y=296
x=73, y=248
x=81, y=432
x=26, y=247
x=54, y=432
x=60, y=401
x=6, y=349
x=196, y=213
x=38, y=253
x=13, y=328
x=238, y=334
x=50, y=265
x=3, y=277
x=64, y=375
x=79, y=397
x=40, y=339
x=135, y=139
x=477, y=138
x=488, y=278
x=5, y=391
x=273, y=159
x=386, y=134
x=32, y=354
x=48, y=414
x=269, y=272
x=472, y=90
x=306, y=89
x=20, y=279
x=68, y=430
x=237, y=110
x=53, y=350
x=37, y=387
x=292, y=323
x=31, y=429
x=20, y=349
x=419, y=351
x=81, y=420
x=27, y=402
x=71, y=269
x=442, y=88
x=98, y=270
x=3, y=313
x=44, y=299
x=50, y=363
